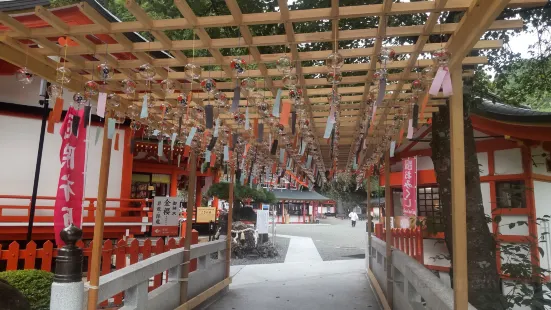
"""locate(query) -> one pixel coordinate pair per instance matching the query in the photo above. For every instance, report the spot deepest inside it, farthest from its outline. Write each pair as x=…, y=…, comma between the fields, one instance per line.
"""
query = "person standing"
x=354, y=217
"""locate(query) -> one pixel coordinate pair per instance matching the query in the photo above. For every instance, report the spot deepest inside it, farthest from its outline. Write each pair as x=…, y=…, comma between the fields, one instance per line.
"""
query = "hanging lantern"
x=55, y=91
x=379, y=74
x=290, y=81
x=334, y=61
x=387, y=55
x=248, y=84
x=442, y=56
x=238, y=65
x=80, y=99
x=284, y=64
x=128, y=86
x=192, y=71
x=147, y=72
x=221, y=99
x=63, y=75
x=24, y=76
x=208, y=85
x=113, y=100
x=168, y=86
x=91, y=88
x=104, y=71
x=334, y=77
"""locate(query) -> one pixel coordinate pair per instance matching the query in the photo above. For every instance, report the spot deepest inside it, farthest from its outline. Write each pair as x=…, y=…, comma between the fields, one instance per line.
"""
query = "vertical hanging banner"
x=70, y=188
x=409, y=186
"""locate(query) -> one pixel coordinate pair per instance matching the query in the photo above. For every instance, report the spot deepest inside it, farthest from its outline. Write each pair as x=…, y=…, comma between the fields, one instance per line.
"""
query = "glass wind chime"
x=334, y=63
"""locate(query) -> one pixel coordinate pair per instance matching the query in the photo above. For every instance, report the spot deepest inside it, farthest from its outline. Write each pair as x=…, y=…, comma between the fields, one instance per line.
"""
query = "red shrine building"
x=514, y=154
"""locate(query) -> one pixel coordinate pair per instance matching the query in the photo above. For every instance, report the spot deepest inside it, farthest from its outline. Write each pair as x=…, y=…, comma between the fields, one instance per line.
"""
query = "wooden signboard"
x=206, y=214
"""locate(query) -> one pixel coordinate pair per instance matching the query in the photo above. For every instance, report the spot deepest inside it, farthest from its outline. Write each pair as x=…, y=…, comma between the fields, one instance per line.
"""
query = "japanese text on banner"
x=409, y=186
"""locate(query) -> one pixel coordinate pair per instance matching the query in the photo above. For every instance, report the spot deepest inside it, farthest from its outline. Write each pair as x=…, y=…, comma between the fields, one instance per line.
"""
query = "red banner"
x=409, y=186
x=70, y=188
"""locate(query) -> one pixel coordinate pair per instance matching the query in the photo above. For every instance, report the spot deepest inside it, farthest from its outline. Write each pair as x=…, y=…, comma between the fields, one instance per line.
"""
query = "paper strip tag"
x=191, y=135
x=277, y=102
x=437, y=82
x=216, y=127
x=392, y=148
x=281, y=155
x=236, y=97
x=172, y=140
x=303, y=147
x=382, y=92
x=285, y=113
x=207, y=156
x=247, y=120
x=160, y=148
x=144, y=113
x=328, y=129
x=99, y=130
x=226, y=153
x=209, y=116
x=111, y=128
x=309, y=161
x=102, y=100
x=410, y=129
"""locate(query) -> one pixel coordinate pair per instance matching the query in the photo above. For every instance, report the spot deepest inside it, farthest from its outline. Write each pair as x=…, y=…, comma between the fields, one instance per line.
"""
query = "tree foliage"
x=241, y=193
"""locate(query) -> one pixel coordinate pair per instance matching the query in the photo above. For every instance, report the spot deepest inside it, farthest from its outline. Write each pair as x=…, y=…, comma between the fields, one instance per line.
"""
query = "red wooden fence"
x=121, y=254
x=407, y=240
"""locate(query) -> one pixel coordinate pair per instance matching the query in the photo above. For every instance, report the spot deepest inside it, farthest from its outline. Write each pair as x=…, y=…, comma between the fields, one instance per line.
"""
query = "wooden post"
x=192, y=180
x=388, y=206
x=459, y=204
x=369, y=222
x=230, y=220
x=97, y=242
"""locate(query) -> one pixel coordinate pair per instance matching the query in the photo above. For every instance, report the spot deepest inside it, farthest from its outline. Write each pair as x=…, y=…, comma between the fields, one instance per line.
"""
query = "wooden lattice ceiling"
x=464, y=37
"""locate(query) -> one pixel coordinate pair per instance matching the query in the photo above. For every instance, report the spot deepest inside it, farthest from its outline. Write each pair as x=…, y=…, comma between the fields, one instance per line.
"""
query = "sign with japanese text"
x=205, y=215
x=166, y=216
x=262, y=221
x=70, y=188
x=409, y=186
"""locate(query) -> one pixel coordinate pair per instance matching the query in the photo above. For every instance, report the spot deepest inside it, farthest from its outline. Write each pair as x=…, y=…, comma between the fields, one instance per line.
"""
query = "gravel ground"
x=282, y=245
x=336, y=241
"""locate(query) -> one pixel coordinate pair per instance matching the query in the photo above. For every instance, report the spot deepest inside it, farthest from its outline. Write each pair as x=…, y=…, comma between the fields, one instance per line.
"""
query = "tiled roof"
x=507, y=113
x=292, y=195
x=21, y=5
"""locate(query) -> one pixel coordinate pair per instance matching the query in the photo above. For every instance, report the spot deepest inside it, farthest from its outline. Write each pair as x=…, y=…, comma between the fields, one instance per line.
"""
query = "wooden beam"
x=95, y=17
x=51, y=19
x=15, y=25
x=192, y=183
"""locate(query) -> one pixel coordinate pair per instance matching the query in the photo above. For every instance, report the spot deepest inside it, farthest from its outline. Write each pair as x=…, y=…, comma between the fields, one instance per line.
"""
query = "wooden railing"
x=407, y=240
x=115, y=256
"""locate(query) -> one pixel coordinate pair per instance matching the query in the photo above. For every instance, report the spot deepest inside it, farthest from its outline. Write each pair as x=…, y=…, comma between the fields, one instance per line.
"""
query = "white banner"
x=262, y=217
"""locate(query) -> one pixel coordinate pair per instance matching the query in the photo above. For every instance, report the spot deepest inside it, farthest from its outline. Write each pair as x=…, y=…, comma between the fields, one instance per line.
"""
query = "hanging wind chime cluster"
x=334, y=63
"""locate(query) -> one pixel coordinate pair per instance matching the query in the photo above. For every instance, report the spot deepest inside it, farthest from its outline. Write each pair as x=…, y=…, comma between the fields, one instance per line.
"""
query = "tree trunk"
x=340, y=207
x=484, y=281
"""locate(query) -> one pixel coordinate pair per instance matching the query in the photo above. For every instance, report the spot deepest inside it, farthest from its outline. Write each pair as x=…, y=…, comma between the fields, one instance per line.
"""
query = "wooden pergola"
x=24, y=45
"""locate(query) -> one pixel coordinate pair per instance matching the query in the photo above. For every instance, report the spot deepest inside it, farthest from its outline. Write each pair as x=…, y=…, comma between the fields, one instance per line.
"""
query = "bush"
x=36, y=285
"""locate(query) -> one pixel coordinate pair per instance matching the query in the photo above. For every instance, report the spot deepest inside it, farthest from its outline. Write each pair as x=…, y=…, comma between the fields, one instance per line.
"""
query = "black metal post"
x=45, y=114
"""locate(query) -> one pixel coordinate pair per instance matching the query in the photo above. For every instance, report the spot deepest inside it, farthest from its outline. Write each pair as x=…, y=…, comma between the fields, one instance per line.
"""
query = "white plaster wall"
x=508, y=161
x=540, y=167
x=19, y=145
x=518, y=230
x=486, y=201
x=483, y=163
x=397, y=202
x=542, y=195
x=424, y=163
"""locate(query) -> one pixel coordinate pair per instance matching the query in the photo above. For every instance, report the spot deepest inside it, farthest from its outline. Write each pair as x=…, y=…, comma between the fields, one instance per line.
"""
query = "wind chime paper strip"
x=172, y=140
x=281, y=156
x=102, y=101
x=242, y=179
x=234, y=141
x=212, y=159
x=355, y=163
x=274, y=147
x=226, y=153
x=144, y=112
x=247, y=119
x=117, y=135
x=132, y=146
x=303, y=145
x=87, y=111
x=331, y=118
x=212, y=143
x=309, y=161
x=207, y=156
x=293, y=122
x=260, y=136
x=373, y=114
x=179, y=159
x=99, y=130
x=236, y=97
x=57, y=110
x=74, y=125
x=209, y=116
x=392, y=148
x=382, y=92
x=111, y=128
x=328, y=129
x=190, y=136
x=216, y=127
x=255, y=127
x=415, y=115
x=285, y=113
x=410, y=129
x=160, y=148
x=443, y=80
x=277, y=103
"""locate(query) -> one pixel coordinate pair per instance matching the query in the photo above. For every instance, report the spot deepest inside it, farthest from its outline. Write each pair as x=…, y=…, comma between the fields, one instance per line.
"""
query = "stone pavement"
x=303, y=281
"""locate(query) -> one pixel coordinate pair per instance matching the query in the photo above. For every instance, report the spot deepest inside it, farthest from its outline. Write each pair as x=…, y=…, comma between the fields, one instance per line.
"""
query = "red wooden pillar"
x=216, y=180
x=304, y=212
x=174, y=183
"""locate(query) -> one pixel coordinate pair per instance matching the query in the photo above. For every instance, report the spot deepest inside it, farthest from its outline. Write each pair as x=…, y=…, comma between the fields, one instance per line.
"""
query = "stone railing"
x=204, y=284
x=415, y=287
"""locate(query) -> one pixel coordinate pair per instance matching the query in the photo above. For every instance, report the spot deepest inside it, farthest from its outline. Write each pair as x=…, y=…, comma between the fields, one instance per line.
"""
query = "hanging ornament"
x=371, y=97
x=238, y=65
x=295, y=94
x=284, y=64
x=280, y=129
x=387, y=55
x=147, y=71
x=256, y=97
x=263, y=107
x=63, y=75
x=221, y=99
x=417, y=87
x=442, y=79
x=182, y=101
x=248, y=84
x=128, y=86
x=239, y=118
x=208, y=85
x=104, y=71
x=442, y=56
x=113, y=100
x=168, y=86
x=290, y=81
x=80, y=99
x=334, y=77
x=24, y=76
x=55, y=91
x=91, y=88
x=334, y=97
x=426, y=76
x=192, y=71
x=334, y=61
x=379, y=74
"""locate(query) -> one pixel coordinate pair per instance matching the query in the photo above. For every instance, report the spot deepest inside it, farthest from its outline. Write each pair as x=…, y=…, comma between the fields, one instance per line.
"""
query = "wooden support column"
x=388, y=205
x=174, y=183
x=97, y=242
x=459, y=206
x=230, y=220
x=369, y=222
x=192, y=181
